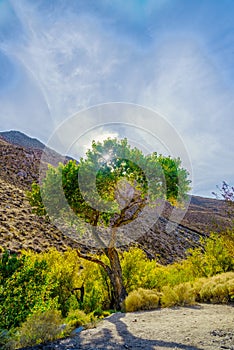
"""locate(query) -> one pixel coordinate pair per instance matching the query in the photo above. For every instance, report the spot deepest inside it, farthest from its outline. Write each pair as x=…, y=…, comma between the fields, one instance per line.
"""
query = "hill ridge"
x=19, y=167
x=18, y=138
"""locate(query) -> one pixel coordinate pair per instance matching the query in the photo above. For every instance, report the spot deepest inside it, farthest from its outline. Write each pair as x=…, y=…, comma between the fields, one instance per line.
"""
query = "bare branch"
x=94, y=260
x=127, y=214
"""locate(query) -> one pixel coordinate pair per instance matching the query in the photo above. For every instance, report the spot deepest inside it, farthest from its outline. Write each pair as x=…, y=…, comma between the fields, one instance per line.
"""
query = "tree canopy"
x=108, y=189
x=109, y=181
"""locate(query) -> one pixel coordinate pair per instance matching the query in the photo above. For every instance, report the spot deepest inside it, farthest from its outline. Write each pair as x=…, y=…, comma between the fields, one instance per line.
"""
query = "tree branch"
x=94, y=260
x=124, y=218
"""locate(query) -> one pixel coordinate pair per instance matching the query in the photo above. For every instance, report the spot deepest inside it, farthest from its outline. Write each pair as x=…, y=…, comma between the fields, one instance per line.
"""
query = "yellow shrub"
x=77, y=318
x=230, y=286
x=212, y=292
x=181, y=294
x=169, y=297
x=216, y=289
x=185, y=294
x=141, y=299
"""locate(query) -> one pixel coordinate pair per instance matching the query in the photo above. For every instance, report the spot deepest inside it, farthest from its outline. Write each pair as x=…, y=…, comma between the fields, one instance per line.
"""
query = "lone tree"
x=109, y=189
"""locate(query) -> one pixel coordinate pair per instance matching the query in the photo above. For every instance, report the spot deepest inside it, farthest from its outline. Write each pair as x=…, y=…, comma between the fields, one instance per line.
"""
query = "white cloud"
x=73, y=61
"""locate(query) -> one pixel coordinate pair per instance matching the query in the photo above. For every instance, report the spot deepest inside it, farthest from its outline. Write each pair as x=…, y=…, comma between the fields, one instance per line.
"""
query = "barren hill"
x=20, y=139
x=21, y=229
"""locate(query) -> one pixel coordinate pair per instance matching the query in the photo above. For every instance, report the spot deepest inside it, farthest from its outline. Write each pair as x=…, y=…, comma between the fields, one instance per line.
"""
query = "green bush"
x=212, y=258
x=64, y=274
x=5, y=338
x=40, y=328
x=138, y=270
x=141, y=299
x=77, y=318
x=26, y=290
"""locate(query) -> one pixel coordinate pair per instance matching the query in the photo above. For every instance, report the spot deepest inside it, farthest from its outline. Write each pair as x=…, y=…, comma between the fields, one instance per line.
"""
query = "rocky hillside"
x=19, y=139
x=21, y=229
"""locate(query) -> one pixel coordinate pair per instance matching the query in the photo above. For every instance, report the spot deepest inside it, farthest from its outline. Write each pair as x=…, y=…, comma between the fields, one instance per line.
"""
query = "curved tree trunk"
x=115, y=274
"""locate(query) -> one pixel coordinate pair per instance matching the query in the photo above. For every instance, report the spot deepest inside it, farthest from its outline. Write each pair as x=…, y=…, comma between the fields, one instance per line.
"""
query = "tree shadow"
x=106, y=339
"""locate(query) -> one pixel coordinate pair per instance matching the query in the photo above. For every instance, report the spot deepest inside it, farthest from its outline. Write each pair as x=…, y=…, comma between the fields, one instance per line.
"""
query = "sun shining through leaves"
x=110, y=198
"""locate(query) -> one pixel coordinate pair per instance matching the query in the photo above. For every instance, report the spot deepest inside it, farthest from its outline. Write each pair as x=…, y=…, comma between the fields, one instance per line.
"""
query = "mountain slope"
x=21, y=229
x=20, y=139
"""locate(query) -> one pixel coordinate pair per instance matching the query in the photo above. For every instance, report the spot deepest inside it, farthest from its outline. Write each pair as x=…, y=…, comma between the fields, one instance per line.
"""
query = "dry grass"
x=142, y=299
x=180, y=295
x=216, y=289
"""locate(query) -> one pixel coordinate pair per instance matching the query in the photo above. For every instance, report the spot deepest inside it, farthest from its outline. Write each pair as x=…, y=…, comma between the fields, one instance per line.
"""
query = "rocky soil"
x=201, y=327
x=21, y=229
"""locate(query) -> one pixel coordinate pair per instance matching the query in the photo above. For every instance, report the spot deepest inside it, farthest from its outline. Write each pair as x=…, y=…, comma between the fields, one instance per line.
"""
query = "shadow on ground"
x=106, y=340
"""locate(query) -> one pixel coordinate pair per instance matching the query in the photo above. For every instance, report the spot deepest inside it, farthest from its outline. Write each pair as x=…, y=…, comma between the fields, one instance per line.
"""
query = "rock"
x=22, y=173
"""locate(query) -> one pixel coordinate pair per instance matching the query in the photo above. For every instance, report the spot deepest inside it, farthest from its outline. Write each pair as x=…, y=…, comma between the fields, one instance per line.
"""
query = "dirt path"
x=192, y=328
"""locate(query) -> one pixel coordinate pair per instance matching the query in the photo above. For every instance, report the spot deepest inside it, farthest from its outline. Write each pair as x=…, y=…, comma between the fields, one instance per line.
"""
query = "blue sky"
x=176, y=57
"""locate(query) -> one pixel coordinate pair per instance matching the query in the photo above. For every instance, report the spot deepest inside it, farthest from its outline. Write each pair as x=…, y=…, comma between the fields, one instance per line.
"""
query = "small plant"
x=218, y=289
x=4, y=339
x=180, y=295
x=40, y=328
x=77, y=318
x=141, y=299
x=169, y=297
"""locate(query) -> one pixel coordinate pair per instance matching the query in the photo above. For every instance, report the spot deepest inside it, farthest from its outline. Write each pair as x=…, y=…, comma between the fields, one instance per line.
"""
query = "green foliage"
x=177, y=183
x=211, y=258
x=27, y=289
x=116, y=167
x=65, y=274
x=141, y=299
x=41, y=282
x=8, y=265
x=41, y=327
x=228, y=240
x=97, y=288
x=77, y=318
x=138, y=270
x=35, y=200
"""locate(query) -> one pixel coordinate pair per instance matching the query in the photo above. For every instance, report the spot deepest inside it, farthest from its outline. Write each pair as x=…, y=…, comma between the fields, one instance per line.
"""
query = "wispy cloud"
x=63, y=58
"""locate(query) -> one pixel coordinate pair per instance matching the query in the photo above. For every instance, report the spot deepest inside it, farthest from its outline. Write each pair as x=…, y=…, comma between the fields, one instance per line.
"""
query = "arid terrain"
x=199, y=327
x=20, y=160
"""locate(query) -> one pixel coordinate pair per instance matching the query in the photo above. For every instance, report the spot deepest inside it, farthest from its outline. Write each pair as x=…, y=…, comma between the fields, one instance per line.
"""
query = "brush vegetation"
x=43, y=296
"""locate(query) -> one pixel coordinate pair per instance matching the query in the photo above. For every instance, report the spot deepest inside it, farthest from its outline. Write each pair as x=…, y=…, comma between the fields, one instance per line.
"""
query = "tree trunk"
x=115, y=274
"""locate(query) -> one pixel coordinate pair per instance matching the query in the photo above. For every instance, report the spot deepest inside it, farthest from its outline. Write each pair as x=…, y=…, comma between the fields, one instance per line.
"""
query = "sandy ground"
x=199, y=327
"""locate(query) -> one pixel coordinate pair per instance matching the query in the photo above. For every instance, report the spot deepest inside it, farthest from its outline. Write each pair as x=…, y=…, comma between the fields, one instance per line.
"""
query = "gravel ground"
x=199, y=327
